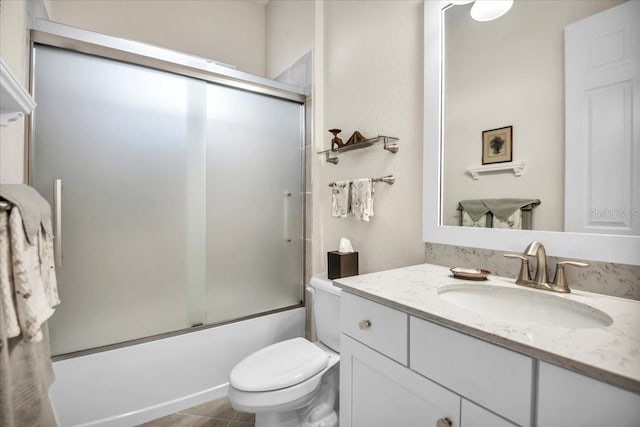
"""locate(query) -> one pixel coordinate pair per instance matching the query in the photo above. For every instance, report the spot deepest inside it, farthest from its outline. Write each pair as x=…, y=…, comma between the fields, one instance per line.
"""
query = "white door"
x=602, y=177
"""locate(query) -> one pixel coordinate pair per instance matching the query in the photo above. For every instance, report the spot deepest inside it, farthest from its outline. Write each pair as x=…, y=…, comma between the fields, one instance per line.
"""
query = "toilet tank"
x=326, y=311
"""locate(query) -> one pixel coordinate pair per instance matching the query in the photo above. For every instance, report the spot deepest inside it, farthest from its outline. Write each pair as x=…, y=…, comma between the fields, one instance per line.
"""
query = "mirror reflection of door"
x=603, y=134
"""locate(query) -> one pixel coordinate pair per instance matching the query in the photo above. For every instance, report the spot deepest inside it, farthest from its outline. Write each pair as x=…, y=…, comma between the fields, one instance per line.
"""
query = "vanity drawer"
x=375, y=325
x=492, y=376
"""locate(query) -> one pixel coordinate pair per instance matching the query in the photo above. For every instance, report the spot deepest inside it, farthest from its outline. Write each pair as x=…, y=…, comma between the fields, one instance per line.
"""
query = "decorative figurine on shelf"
x=336, y=142
x=356, y=138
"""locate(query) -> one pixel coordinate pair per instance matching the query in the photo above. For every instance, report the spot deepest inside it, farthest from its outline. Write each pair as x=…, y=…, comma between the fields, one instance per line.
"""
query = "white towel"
x=6, y=279
x=29, y=275
x=362, y=192
x=340, y=199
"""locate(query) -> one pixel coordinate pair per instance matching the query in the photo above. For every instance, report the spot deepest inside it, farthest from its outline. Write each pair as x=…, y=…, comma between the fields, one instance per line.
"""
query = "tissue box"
x=342, y=264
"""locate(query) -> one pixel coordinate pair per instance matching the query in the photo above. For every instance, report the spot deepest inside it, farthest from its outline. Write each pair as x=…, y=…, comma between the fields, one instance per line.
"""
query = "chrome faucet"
x=536, y=249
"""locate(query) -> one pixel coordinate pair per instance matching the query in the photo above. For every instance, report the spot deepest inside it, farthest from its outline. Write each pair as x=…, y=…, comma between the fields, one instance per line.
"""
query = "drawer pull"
x=444, y=422
x=365, y=324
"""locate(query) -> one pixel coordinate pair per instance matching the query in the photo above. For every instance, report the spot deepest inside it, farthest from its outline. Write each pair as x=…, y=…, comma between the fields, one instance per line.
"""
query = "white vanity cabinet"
x=377, y=391
x=381, y=384
x=491, y=376
x=566, y=398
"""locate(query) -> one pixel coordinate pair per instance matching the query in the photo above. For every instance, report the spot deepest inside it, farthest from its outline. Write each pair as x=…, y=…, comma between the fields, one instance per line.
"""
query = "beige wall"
x=509, y=72
x=373, y=70
x=289, y=33
x=228, y=31
x=14, y=51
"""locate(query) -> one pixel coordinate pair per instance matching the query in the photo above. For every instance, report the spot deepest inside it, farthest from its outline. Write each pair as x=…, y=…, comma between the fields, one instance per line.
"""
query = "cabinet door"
x=490, y=375
x=377, y=392
x=569, y=399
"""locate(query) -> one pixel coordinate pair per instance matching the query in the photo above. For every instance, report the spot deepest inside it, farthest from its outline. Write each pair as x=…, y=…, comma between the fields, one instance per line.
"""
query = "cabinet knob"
x=444, y=422
x=365, y=324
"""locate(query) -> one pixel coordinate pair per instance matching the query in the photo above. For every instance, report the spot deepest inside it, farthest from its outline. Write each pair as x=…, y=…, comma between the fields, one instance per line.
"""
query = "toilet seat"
x=278, y=366
x=284, y=399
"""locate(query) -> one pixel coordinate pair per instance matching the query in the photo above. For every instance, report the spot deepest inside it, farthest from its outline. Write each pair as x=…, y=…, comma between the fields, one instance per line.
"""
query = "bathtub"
x=135, y=384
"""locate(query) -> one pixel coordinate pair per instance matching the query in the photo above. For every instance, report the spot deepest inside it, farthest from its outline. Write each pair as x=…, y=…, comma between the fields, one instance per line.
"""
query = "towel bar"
x=389, y=179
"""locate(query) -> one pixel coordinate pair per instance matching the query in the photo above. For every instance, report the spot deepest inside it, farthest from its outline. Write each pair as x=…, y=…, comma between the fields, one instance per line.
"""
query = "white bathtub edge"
x=166, y=408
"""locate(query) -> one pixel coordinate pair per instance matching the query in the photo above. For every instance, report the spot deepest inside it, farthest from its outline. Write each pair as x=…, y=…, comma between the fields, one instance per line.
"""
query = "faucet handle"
x=560, y=282
x=524, y=267
x=573, y=264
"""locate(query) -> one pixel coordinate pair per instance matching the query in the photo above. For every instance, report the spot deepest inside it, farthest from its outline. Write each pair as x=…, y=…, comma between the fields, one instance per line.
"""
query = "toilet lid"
x=277, y=366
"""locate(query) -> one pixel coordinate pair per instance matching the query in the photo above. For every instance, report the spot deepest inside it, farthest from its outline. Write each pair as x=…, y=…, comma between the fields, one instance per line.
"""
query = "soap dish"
x=470, y=273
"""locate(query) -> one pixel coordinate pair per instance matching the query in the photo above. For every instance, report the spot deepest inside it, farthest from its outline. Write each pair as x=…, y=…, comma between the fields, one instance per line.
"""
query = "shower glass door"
x=254, y=203
x=174, y=205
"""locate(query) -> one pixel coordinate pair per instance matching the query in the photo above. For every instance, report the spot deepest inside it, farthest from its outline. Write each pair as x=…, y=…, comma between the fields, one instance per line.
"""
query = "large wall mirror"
x=532, y=128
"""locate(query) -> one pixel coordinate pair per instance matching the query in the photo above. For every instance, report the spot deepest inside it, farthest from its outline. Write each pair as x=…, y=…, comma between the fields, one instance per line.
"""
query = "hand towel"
x=503, y=209
x=7, y=301
x=513, y=222
x=34, y=209
x=340, y=199
x=467, y=221
x=33, y=277
x=475, y=209
x=362, y=192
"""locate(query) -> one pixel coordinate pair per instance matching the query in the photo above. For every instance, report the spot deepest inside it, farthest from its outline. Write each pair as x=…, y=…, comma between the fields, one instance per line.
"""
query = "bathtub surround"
x=618, y=280
x=300, y=74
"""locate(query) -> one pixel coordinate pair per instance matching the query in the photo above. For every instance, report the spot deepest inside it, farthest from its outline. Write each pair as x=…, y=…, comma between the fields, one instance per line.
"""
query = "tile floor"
x=217, y=413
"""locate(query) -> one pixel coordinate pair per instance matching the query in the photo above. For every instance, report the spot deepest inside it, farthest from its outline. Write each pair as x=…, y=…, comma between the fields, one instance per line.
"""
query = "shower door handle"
x=286, y=226
x=57, y=231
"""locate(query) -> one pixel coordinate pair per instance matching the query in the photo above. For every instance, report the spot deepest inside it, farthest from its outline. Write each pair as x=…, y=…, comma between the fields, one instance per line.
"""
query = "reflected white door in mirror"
x=596, y=244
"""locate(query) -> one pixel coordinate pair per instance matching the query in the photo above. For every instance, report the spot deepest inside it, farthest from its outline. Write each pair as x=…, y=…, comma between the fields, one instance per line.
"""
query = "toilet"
x=295, y=382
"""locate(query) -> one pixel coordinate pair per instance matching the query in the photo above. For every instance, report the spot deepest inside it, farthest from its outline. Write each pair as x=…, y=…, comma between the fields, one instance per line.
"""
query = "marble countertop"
x=610, y=354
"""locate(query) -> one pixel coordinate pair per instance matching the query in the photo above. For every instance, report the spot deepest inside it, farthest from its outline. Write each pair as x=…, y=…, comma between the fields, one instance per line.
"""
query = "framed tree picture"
x=497, y=145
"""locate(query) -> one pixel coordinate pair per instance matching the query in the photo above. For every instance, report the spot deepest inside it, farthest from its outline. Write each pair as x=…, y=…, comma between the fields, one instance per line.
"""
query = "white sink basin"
x=524, y=306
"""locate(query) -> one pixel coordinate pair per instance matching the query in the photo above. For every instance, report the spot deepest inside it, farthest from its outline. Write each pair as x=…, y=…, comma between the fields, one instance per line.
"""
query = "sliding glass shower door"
x=181, y=199
x=254, y=206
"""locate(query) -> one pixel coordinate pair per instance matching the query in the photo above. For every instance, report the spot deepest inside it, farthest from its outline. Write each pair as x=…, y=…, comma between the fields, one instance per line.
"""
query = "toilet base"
x=319, y=412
